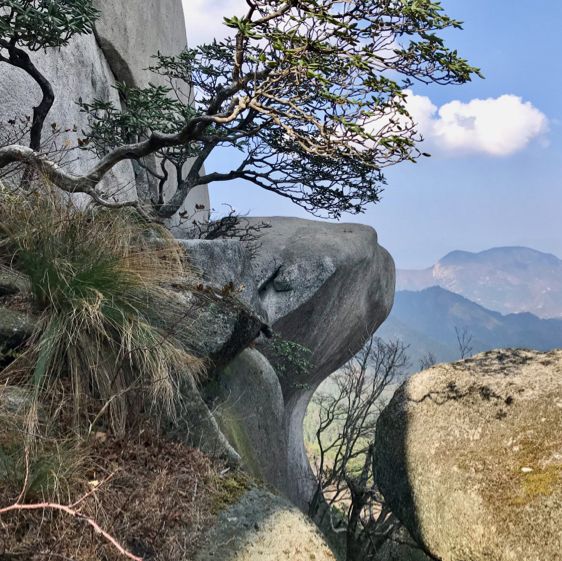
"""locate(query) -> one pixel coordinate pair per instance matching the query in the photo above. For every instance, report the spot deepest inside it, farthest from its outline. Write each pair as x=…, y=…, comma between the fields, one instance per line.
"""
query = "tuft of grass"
x=48, y=468
x=96, y=279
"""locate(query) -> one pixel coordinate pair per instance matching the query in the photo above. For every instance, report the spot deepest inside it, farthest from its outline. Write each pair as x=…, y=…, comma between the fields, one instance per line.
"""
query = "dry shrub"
x=156, y=498
x=96, y=279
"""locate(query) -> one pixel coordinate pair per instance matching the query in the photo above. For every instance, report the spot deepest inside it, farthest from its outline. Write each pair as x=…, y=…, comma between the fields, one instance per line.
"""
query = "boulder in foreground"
x=264, y=527
x=470, y=457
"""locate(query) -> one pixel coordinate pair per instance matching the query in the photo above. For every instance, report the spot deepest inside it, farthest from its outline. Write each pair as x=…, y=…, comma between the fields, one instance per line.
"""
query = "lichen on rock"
x=470, y=457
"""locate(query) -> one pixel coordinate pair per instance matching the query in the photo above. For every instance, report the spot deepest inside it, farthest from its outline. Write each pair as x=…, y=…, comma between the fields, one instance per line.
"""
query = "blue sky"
x=499, y=183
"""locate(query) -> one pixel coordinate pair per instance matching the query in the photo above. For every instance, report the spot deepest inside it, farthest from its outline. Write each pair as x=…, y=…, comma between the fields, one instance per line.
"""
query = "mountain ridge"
x=510, y=279
x=427, y=320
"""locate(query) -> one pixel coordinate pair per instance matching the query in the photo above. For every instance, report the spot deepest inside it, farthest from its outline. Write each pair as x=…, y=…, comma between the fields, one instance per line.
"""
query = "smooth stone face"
x=265, y=527
x=77, y=71
x=250, y=412
x=130, y=33
x=470, y=457
x=127, y=35
x=326, y=287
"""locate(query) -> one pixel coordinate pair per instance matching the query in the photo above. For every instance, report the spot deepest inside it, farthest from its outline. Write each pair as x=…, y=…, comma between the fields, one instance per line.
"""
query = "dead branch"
x=70, y=509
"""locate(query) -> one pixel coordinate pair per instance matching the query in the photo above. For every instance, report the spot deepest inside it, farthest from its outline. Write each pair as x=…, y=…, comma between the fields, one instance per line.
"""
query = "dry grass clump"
x=96, y=279
x=154, y=497
x=46, y=469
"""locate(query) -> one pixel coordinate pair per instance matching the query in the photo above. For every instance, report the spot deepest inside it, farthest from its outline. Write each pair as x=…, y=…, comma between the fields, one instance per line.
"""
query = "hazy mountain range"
x=504, y=279
x=500, y=297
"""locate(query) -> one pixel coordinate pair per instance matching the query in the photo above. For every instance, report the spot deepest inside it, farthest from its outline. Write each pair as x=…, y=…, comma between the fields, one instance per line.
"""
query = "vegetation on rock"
x=313, y=94
x=95, y=281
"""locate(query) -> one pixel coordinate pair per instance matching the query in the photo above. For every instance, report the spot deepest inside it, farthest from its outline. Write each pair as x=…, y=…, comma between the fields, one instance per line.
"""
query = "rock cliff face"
x=326, y=288
x=126, y=38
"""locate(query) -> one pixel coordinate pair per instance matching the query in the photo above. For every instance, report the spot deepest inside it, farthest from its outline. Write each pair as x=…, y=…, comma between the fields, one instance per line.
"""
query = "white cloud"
x=496, y=126
x=204, y=18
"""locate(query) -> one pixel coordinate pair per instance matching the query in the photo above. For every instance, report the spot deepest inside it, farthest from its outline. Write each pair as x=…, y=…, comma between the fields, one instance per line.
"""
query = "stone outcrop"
x=250, y=411
x=127, y=36
x=15, y=328
x=470, y=457
x=265, y=527
x=325, y=287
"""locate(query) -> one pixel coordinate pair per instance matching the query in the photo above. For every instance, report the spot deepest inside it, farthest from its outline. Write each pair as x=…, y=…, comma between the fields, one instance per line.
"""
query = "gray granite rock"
x=79, y=70
x=15, y=328
x=130, y=33
x=266, y=527
x=250, y=412
x=213, y=326
x=127, y=35
x=224, y=263
x=326, y=288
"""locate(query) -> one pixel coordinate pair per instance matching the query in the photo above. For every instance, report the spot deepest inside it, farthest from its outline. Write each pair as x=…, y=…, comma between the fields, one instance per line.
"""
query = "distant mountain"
x=505, y=279
x=426, y=321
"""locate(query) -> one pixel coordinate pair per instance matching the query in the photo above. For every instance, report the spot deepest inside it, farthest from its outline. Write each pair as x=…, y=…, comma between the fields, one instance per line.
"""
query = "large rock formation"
x=470, y=457
x=125, y=40
x=325, y=287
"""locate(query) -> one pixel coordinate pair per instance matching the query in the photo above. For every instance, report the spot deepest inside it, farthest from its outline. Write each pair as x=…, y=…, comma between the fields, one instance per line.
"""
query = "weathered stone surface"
x=326, y=287
x=224, y=263
x=15, y=327
x=213, y=326
x=127, y=35
x=251, y=414
x=79, y=70
x=216, y=328
x=265, y=527
x=11, y=283
x=470, y=457
x=129, y=38
x=336, y=276
x=199, y=428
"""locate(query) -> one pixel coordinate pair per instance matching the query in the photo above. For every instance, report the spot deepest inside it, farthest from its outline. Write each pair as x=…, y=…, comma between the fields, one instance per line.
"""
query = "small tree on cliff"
x=346, y=497
x=312, y=93
x=36, y=25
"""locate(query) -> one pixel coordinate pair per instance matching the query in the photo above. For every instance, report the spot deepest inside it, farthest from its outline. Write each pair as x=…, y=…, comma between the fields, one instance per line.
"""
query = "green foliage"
x=311, y=92
x=289, y=358
x=97, y=280
x=148, y=110
x=41, y=24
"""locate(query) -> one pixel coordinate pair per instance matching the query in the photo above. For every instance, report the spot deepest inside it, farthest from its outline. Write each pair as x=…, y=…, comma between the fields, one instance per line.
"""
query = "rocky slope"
x=505, y=279
x=322, y=289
